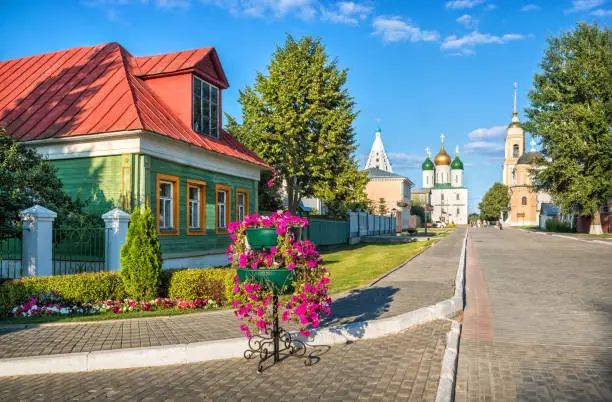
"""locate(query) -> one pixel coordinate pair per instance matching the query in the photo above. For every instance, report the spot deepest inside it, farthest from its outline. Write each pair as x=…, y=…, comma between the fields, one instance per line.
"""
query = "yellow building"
x=525, y=203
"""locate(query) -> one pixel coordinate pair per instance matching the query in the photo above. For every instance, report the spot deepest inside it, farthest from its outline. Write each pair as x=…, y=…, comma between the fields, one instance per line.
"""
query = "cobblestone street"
x=405, y=366
x=538, y=320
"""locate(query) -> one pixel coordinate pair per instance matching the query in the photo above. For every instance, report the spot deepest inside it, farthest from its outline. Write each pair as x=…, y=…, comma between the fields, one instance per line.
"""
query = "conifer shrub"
x=558, y=226
x=141, y=257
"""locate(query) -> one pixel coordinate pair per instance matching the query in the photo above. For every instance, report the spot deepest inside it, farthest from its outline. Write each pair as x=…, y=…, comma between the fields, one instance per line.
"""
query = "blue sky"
x=422, y=67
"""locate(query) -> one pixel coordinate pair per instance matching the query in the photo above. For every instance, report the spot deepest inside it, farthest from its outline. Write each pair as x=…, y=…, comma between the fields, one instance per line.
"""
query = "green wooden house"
x=128, y=131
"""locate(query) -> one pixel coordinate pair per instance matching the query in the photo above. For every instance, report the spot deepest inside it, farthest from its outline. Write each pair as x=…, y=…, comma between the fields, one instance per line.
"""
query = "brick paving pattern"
x=405, y=366
x=425, y=280
x=538, y=320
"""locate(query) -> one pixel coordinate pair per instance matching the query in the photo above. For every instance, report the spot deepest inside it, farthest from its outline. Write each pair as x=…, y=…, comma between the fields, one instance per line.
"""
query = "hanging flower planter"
x=271, y=260
x=262, y=238
x=277, y=280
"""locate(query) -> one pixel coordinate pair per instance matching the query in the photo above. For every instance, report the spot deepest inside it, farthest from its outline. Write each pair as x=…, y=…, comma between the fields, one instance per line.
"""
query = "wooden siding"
x=127, y=181
x=98, y=180
x=184, y=244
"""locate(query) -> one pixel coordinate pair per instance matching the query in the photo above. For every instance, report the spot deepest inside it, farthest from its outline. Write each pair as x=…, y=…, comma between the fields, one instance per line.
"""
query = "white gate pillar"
x=37, y=242
x=116, y=224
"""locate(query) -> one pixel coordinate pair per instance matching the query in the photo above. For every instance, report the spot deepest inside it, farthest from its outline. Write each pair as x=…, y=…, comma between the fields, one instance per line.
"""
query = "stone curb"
x=231, y=348
x=446, y=387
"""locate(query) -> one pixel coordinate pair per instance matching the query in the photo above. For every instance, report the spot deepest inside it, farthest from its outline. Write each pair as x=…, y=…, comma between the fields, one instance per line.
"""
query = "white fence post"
x=116, y=224
x=37, y=242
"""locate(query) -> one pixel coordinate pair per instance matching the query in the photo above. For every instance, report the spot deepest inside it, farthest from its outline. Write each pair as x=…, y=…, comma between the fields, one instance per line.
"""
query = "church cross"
x=428, y=152
x=442, y=137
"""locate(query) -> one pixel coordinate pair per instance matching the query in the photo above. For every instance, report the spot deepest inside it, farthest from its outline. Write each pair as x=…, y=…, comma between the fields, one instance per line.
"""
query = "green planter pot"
x=262, y=238
x=278, y=280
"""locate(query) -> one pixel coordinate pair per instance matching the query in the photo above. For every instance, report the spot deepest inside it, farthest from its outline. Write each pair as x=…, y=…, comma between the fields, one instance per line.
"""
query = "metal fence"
x=78, y=250
x=10, y=254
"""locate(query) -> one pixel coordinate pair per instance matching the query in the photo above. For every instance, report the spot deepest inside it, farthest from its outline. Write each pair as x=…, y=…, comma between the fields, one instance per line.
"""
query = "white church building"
x=443, y=178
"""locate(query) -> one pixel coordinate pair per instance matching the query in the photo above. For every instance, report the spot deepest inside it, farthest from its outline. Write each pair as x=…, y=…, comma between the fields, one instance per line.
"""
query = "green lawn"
x=355, y=266
x=350, y=267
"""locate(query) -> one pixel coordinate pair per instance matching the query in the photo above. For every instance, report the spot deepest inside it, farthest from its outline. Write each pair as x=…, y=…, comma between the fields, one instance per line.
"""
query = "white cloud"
x=602, y=13
x=394, y=29
x=405, y=161
x=346, y=12
x=530, y=7
x=304, y=9
x=584, y=5
x=466, y=44
x=352, y=8
x=484, y=148
x=466, y=20
x=488, y=133
x=461, y=4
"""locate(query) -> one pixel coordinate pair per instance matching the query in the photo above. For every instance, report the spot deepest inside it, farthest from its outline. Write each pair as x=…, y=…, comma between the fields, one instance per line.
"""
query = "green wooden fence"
x=326, y=232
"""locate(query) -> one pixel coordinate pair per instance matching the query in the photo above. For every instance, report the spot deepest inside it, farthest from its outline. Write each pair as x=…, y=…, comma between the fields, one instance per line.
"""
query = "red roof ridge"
x=126, y=64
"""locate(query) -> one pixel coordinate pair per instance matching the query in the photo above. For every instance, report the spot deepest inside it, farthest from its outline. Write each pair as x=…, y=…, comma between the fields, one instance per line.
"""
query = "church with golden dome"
x=443, y=179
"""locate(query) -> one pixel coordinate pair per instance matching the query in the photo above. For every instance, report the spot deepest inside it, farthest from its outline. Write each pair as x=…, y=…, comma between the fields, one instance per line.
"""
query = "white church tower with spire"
x=378, y=157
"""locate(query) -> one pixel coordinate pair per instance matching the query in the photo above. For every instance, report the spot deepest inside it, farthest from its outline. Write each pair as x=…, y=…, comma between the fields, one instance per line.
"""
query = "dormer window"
x=205, y=108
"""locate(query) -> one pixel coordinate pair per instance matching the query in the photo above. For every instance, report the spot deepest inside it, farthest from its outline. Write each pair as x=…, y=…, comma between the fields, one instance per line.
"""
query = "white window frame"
x=241, y=206
x=163, y=210
x=210, y=88
x=194, y=207
x=222, y=207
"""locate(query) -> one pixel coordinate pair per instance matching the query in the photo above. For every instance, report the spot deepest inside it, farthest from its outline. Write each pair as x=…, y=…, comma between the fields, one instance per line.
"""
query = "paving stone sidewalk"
x=538, y=319
x=425, y=280
x=404, y=366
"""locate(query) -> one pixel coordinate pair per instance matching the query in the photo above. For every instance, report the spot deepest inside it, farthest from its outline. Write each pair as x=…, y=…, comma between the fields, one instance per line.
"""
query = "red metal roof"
x=98, y=89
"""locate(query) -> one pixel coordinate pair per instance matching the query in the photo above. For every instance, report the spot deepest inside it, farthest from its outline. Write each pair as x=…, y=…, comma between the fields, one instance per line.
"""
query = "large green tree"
x=27, y=179
x=298, y=117
x=571, y=114
x=494, y=201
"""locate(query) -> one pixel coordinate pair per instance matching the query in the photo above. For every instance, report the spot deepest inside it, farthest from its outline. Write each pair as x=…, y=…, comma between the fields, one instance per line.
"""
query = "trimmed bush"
x=558, y=226
x=141, y=257
x=207, y=283
x=77, y=288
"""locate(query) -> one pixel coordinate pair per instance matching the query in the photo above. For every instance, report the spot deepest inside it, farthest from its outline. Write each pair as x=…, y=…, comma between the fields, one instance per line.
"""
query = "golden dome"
x=442, y=158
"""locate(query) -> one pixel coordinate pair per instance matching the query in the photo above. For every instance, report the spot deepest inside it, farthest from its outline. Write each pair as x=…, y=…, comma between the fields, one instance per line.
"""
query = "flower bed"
x=36, y=308
x=254, y=301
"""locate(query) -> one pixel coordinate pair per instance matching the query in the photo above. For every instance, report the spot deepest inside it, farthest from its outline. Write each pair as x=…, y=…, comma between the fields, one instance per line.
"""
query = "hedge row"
x=208, y=283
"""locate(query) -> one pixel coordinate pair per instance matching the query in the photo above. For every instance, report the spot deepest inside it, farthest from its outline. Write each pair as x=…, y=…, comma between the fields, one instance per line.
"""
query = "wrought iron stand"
x=269, y=346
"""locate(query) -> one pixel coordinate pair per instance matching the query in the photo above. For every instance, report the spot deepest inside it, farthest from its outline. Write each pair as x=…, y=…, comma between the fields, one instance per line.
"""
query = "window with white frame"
x=240, y=206
x=166, y=211
x=457, y=196
x=205, y=108
x=194, y=207
x=222, y=208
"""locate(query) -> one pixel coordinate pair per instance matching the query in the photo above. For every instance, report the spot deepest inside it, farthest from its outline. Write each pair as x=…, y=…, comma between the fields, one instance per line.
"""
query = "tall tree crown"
x=571, y=114
x=299, y=118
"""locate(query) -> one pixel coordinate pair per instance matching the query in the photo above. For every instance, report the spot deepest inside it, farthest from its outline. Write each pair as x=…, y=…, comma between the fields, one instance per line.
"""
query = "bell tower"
x=378, y=157
x=515, y=144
